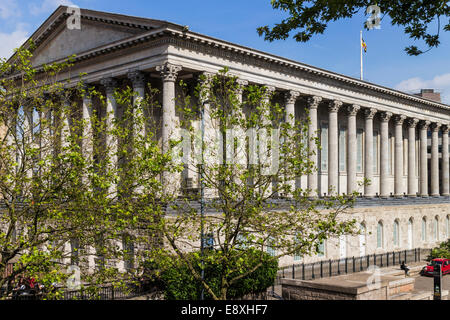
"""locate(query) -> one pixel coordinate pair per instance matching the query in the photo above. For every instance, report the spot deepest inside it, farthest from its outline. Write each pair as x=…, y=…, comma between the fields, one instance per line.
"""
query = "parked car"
x=429, y=269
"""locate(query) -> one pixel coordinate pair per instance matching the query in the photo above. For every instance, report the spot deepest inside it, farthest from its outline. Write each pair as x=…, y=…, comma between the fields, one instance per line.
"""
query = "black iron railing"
x=330, y=268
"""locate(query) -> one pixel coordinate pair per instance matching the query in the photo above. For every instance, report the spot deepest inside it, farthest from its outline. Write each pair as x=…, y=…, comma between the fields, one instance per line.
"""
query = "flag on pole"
x=364, y=45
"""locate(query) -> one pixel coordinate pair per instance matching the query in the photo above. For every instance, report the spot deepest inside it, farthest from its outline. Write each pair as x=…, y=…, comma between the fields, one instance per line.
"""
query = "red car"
x=445, y=266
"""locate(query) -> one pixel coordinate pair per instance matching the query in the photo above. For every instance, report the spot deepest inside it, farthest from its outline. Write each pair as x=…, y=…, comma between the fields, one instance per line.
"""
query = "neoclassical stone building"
x=366, y=130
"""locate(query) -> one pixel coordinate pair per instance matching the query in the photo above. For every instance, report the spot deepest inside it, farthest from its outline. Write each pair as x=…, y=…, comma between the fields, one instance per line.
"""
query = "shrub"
x=443, y=251
x=178, y=283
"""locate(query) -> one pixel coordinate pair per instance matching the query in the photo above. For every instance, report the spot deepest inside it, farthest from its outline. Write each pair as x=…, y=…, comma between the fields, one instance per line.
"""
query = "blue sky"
x=236, y=21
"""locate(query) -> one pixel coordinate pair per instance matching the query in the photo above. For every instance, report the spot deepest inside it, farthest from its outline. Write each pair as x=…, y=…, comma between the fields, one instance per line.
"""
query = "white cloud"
x=441, y=83
x=48, y=5
x=10, y=41
x=8, y=9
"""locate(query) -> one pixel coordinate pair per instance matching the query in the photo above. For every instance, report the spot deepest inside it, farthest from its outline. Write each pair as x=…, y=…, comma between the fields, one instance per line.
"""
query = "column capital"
x=137, y=78
x=445, y=128
x=86, y=92
x=385, y=116
x=240, y=86
x=242, y=82
x=335, y=105
x=399, y=119
x=435, y=126
x=110, y=84
x=412, y=122
x=269, y=90
x=353, y=109
x=291, y=96
x=423, y=124
x=370, y=113
x=168, y=71
x=314, y=102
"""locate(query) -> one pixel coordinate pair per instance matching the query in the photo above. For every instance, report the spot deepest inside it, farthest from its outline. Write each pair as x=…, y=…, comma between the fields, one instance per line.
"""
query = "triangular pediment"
x=55, y=41
x=65, y=42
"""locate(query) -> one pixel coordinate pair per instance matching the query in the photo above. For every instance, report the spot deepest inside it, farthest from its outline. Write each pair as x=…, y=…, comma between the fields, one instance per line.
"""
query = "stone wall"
x=370, y=217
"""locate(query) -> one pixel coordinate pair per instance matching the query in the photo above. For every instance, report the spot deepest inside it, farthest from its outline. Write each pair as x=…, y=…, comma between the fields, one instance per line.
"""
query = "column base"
x=412, y=195
x=436, y=195
x=369, y=196
x=398, y=196
x=446, y=195
x=424, y=196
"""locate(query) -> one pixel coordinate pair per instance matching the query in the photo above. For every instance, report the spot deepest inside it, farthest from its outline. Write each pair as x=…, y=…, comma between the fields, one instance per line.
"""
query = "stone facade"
x=366, y=130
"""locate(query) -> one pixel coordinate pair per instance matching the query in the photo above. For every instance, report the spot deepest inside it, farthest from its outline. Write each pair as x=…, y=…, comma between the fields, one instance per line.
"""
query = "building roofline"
x=179, y=31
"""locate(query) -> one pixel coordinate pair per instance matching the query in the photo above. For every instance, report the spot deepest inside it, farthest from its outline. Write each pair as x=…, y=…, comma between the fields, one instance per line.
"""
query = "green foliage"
x=60, y=186
x=309, y=18
x=178, y=282
x=443, y=251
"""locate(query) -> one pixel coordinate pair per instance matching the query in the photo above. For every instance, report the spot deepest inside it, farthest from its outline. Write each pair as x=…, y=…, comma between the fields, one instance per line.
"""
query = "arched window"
x=410, y=233
x=342, y=246
x=270, y=247
x=424, y=229
x=380, y=236
x=128, y=251
x=297, y=255
x=448, y=226
x=362, y=240
x=436, y=228
x=396, y=233
x=74, y=252
x=322, y=249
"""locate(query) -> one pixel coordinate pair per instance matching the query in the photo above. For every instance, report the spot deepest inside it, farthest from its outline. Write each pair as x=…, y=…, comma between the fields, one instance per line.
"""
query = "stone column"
x=384, y=154
x=169, y=73
x=210, y=138
x=351, y=150
x=398, y=185
x=267, y=157
x=445, y=162
x=424, y=158
x=368, y=154
x=435, y=127
x=241, y=147
x=313, y=177
x=65, y=130
x=333, y=155
x=412, y=184
x=111, y=142
x=291, y=97
x=138, y=81
x=87, y=142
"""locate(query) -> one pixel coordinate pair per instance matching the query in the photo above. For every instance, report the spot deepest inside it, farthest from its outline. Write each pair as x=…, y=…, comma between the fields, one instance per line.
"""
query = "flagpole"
x=361, y=47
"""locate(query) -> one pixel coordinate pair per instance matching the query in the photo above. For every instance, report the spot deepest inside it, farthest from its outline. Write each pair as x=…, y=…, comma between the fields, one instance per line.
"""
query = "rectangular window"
x=359, y=150
x=342, y=149
x=324, y=147
x=375, y=152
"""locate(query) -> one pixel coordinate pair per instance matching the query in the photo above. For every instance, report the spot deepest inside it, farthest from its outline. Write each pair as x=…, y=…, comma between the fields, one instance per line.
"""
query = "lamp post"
x=202, y=200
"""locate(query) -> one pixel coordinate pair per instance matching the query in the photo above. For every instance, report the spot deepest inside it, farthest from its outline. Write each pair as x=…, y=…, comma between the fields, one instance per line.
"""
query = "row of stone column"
x=169, y=73
x=369, y=190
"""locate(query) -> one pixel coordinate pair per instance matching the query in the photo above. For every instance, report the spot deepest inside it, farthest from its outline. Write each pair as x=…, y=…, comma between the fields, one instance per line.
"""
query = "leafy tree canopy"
x=309, y=18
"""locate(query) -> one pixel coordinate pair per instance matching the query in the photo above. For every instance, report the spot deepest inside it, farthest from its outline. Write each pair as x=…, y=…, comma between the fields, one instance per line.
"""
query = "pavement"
x=422, y=283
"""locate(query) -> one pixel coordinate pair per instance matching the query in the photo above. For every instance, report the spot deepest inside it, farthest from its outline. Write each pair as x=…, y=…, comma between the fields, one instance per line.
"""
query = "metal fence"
x=330, y=268
x=108, y=292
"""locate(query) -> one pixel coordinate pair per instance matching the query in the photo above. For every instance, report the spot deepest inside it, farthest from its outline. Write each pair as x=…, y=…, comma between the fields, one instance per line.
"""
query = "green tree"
x=421, y=20
x=250, y=200
x=64, y=201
